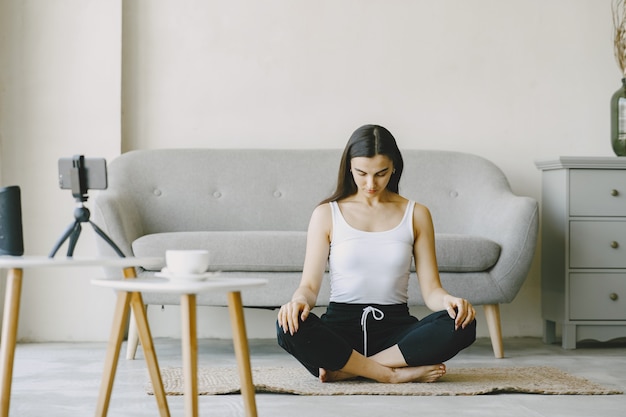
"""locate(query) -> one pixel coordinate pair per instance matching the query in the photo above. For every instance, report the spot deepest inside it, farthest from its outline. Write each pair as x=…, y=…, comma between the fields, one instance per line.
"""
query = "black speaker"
x=11, y=241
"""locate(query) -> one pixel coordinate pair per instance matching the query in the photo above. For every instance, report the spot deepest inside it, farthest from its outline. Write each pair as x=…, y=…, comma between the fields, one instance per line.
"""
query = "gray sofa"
x=250, y=208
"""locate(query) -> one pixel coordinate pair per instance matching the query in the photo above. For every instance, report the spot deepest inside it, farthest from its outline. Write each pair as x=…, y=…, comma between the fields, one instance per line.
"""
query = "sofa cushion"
x=262, y=251
x=463, y=253
x=278, y=251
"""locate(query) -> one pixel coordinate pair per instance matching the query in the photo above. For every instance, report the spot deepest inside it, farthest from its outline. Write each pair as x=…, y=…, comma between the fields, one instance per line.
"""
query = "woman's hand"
x=290, y=314
x=460, y=310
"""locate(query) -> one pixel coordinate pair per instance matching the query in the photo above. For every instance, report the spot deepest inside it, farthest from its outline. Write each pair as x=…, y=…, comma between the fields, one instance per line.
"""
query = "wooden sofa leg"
x=133, y=338
x=492, y=314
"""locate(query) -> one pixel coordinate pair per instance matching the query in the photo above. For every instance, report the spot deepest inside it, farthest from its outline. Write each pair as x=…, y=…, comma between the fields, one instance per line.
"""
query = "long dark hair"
x=367, y=141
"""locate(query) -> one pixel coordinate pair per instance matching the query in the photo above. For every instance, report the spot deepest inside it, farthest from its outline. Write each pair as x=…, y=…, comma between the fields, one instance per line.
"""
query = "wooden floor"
x=62, y=379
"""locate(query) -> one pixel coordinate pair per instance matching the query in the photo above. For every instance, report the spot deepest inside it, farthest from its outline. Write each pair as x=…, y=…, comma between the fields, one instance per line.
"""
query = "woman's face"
x=371, y=175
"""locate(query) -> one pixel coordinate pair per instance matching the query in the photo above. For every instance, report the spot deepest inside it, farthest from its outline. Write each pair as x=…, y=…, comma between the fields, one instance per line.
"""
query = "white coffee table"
x=15, y=266
x=188, y=291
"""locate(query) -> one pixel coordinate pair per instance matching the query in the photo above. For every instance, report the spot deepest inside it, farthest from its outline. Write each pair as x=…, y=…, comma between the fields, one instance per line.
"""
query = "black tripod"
x=81, y=213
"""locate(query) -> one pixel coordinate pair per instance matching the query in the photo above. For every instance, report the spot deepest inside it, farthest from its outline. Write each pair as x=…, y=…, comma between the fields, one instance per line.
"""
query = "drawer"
x=597, y=192
x=597, y=244
x=597, y=296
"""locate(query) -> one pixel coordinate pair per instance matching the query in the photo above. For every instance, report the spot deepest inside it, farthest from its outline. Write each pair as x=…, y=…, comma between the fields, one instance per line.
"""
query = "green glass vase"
x=618, y=120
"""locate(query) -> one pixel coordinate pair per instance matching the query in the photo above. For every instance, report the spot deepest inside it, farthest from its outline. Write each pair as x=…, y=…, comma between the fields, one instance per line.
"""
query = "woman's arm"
x=435, y=296
x=316, y=258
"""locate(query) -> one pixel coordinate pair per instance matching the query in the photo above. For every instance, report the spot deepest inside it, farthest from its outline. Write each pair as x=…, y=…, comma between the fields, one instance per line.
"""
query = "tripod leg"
x=107, y=239
x=66, y=234
x=73, y=239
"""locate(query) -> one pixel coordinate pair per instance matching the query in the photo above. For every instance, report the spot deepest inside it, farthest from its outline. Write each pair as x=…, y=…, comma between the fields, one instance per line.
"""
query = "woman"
x=368, y=234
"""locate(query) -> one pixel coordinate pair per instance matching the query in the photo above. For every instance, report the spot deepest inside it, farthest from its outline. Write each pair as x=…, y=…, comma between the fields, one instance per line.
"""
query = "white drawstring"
x=377, y=314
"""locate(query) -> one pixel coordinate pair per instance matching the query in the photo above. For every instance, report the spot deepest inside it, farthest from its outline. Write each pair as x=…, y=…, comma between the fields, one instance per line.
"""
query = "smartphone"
x=95, y=173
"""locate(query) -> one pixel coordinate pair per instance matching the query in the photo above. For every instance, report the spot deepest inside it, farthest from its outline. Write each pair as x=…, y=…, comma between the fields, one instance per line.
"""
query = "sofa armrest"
x=513, y=222
x=118, y=217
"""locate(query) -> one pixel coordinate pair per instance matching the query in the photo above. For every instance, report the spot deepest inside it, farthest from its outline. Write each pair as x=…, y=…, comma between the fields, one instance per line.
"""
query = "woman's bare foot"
x=428, y=373
x=334, y=376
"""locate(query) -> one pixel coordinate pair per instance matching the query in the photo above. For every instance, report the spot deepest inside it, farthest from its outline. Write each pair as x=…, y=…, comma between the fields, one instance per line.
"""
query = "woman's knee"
x=306, y=329
x=436, y=342
x=466, y=336
x=462, y=337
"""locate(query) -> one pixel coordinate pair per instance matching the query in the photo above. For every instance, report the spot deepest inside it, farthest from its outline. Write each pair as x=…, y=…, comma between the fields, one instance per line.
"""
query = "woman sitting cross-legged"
x=368, y=235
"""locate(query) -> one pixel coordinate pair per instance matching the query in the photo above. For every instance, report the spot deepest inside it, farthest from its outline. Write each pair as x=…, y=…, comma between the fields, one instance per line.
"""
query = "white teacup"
x=187, y=262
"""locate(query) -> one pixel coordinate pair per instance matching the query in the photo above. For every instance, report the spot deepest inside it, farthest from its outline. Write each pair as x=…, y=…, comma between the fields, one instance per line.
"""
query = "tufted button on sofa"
x=250, y=208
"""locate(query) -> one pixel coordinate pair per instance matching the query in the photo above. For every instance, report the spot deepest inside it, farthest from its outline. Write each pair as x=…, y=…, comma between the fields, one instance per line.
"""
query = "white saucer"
x=190, y=277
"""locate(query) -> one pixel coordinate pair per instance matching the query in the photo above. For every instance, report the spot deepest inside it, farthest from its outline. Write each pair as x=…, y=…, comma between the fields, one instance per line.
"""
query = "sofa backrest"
x=460, y=189
x=223, y=189
x=248, y=189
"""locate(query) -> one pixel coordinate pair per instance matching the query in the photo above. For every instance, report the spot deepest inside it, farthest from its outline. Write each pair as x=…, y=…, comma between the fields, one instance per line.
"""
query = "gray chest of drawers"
x=583, y=248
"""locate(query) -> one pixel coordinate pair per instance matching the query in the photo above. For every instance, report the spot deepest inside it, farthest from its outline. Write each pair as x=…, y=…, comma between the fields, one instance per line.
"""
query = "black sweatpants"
x=328, y=341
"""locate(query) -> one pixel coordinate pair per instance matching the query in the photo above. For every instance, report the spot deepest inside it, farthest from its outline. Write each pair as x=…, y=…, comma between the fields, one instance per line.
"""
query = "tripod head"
x=79, y=178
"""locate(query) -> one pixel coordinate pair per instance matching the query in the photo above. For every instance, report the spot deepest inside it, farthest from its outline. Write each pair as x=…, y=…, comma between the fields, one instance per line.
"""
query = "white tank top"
x=370, y=267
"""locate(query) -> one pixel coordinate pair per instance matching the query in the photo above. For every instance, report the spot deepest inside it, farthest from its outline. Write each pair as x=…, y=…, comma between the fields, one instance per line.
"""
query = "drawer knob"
x=613, y=296
x=614, y=245
x=614, y=192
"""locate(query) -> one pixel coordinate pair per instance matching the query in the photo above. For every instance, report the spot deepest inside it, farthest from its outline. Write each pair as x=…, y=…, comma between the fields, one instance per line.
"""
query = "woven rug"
x=458, y=381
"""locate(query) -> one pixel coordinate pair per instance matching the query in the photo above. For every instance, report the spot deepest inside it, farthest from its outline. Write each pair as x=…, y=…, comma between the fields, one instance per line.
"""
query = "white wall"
x=511, y=81
x=60, y=96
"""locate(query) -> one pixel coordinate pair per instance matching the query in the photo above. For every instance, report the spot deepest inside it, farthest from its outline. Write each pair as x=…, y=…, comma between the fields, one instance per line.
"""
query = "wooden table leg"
x=242, y=352
x=9, y=336
x=125, y=301
x=145, y=336
x=143, y=330
x=190, y=353
x=113, y=352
